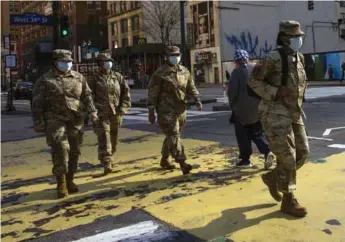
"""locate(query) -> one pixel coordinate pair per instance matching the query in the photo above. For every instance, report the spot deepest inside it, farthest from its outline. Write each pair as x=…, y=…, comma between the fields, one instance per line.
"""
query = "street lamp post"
x=9, y=106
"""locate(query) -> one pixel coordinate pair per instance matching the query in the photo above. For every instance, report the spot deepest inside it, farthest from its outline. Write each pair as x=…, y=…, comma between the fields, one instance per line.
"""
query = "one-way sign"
x=30, y=18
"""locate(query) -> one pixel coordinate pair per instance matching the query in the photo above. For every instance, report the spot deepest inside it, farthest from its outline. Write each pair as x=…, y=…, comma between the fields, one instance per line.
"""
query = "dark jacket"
x=245, y=107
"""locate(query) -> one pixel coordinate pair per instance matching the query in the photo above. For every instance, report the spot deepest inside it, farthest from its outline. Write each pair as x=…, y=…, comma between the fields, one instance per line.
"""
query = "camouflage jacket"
x=110, y=92
x=61, y=96
x=267, y=77
x=169, y=88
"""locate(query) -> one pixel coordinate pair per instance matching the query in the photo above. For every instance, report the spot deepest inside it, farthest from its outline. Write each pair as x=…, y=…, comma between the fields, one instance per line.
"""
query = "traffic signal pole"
x=183, y=36
x=9, y=106
x=56, y=19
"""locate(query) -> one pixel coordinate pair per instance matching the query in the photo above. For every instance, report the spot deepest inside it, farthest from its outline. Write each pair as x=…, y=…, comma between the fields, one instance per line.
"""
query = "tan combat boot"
x=292, y=207
x=108, y=168
x=165, y=164
x=185, y=168
x=270, y=179
x=71, y=186
x=61, y=186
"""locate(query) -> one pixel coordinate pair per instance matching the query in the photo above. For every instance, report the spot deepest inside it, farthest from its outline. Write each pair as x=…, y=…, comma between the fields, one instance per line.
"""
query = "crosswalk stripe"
x=145, y=231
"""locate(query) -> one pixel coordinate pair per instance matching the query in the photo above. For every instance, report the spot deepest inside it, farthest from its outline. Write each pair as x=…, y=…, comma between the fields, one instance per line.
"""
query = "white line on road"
x=198, y=120
x=328, y=131
x=135, y=117
x=339, y=146
x=318, y=138
x=145, y=231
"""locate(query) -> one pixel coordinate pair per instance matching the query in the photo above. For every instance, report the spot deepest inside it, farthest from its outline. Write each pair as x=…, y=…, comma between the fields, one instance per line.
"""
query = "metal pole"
x=56, y=7
x=10, y=107
x=312, y=30
x=183, y=36
x=221, y=38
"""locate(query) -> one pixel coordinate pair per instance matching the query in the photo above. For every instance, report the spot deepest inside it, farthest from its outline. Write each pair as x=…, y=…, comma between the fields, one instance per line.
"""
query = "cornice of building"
x=124, y=15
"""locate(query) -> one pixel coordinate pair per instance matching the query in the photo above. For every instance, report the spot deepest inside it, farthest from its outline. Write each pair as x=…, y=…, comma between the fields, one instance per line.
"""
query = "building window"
x=98, y=5
x=124, y=26
x=123, y=6
x=117, y=7
x=136, y=39
x=135, y=23
x=114, y=44
x=136, y=4
x=112, y=28
x=124, y=42
x=90, y=5
x=112, y=10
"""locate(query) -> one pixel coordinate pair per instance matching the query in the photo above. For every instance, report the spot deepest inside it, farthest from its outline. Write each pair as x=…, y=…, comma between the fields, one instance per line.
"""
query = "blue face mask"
x=107, y=65
x=64, y=66
x=174, y=59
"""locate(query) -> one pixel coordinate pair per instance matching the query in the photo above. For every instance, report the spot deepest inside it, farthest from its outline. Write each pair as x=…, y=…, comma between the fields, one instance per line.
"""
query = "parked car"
x=22, y=90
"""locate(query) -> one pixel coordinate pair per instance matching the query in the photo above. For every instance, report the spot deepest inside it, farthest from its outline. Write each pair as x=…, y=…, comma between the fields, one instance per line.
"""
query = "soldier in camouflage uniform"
x=168, y=90
x=59, y=98
x=281, y=115
x=112, y=99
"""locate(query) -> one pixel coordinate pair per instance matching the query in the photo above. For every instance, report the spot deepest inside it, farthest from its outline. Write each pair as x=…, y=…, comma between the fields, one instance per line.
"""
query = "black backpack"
x=285, y=70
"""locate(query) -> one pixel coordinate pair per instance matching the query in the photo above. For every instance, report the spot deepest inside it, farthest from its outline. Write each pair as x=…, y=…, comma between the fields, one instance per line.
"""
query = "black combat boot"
x=71, y=186
x=185, y=168
x=165, y=164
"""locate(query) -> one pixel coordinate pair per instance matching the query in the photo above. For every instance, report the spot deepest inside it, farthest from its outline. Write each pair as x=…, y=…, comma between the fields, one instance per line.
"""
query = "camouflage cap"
x=62, y=55
x=173, y=50
x=290, y=28
x=104, y=56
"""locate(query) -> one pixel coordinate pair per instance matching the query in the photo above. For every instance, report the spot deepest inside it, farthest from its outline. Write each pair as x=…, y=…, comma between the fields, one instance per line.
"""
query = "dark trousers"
x=245, y=134
x=342, y=76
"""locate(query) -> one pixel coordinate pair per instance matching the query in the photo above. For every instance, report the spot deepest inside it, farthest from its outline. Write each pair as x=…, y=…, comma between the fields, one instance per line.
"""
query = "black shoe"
x=244, y=164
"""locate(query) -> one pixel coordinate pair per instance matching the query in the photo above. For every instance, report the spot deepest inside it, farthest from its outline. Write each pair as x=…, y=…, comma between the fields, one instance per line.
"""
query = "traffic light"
x=310, y=5
x=64, y=26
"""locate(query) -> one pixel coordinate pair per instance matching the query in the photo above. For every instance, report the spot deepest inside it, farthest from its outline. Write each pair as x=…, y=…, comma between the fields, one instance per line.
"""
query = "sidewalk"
x=310, y=84
x=216, y=201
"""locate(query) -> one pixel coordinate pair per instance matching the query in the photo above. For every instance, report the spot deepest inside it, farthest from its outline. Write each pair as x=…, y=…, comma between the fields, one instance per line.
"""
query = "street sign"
x=10, y=61
x=30, y=18
x=86, y=69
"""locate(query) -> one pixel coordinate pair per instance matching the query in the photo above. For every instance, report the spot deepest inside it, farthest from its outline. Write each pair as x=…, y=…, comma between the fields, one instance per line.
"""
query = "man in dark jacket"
x=246, y=117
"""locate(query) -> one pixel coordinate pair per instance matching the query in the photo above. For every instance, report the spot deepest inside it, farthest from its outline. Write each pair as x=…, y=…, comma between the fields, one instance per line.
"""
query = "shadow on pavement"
x=234, y=219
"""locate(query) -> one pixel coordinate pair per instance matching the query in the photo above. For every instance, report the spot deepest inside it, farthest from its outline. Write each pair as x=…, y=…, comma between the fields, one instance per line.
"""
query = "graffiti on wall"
x=251, y=45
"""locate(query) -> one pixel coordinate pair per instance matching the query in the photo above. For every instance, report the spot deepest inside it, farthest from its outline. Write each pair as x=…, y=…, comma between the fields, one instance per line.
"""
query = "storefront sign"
x=205, y=56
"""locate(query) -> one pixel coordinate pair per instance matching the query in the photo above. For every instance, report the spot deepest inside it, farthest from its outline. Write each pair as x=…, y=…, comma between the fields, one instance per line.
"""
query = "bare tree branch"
x=160, y=18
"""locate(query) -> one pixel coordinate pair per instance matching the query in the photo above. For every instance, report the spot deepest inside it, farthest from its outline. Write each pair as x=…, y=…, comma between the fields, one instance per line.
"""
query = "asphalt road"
x=322, y=113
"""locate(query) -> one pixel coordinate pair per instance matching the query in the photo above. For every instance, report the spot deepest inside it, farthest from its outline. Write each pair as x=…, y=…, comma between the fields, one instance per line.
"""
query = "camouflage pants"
x=289, y=142
x=107, y=134
x=65, y=140
x=172, y=126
